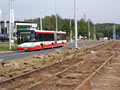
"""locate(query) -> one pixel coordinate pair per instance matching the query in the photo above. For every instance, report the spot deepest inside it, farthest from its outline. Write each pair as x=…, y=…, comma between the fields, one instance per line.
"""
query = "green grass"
x=5, y=46
x=4, y=43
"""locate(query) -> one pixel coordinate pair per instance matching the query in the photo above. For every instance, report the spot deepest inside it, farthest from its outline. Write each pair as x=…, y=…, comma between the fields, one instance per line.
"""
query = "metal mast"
x=0, y=19
x=41, y=22
x=56, y=17
x=114, y=31
x=94, y=32
x=10, y=23
x=70, y=32
x=89, y=29
x=75, y=18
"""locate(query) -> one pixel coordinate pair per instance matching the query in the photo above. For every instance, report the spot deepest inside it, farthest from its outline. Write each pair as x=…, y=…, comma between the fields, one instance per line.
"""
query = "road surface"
x=21, y=54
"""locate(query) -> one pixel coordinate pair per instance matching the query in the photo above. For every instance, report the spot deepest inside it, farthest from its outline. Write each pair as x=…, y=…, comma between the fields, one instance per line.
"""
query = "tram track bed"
x=68, y=80
x=67, y=72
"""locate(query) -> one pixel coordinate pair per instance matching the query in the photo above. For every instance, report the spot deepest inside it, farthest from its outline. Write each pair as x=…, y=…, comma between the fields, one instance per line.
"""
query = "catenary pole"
x=75, y=19
x=89, y=29
x=114, y=31
x=10, y=23
x=41, y=22
x=94, y=32
x=0, y=19
x=70, y=31
x=4, y=24
x=56, y=16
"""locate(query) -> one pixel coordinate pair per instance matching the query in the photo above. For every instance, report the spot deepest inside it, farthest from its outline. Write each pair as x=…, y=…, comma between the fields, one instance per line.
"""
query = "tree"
x=102, y=30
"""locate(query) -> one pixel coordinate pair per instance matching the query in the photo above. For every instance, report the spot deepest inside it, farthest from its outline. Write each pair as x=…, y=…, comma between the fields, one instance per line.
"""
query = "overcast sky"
x=97, y=10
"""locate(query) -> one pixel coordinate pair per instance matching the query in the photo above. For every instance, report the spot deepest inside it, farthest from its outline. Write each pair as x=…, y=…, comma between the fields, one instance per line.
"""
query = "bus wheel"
x=62, y=44
x=52, y=46
x=41, y=47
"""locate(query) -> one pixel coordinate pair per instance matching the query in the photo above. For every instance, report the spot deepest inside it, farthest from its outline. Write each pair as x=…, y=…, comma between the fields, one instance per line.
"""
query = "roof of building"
x=18, y=22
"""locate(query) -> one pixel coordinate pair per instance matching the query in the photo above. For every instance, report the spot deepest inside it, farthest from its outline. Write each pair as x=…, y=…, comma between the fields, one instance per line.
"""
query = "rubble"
x=44, y=59
x=40, y=57
x=92, y=52
x=70, y=48
x=58, y=51
x=27, y=70
x=35, y=56
x=9, y=65
x=2, y=78
x=3, y=62
x=26, y=63
x=77, y=48
x=16, y=64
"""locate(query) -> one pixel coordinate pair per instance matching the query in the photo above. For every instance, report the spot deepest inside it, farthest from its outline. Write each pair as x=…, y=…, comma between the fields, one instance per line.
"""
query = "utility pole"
x=70, y=32
x=89, y=29
x=5, y=26
x=84, y=17
x=75, y=19
x=94, y=32
x=0, y=26
x=10, y=3
x=56, y=16
x=11, y=23
x=114, y=31
x=4, y=23
x=41, y=22
x=0, y=19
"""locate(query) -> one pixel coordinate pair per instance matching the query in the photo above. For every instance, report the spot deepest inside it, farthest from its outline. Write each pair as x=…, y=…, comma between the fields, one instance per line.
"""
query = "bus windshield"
x=25, y=37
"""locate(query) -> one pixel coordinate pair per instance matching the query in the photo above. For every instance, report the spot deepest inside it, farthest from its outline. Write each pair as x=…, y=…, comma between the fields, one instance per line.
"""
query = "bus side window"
x=41, y=37
x=58, y=36
x=61, y=37
x=64, y=37
x=36, y=37
x=47, y=37
x=52, y=37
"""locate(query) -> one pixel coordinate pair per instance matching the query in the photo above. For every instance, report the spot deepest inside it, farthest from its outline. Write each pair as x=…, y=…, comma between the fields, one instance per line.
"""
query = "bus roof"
x=48, y=31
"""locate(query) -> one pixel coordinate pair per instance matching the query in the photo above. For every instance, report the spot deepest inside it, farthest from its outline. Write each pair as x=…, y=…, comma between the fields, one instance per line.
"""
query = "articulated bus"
x=36, y=39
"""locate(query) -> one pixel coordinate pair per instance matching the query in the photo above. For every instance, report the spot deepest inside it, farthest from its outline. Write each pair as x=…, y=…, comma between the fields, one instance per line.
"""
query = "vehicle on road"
x=36, y=39
x=4, y=38
x=118, y=36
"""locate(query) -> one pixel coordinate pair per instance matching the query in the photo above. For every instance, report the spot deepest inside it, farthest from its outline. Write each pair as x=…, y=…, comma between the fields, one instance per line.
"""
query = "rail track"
x=89, y=83
x=109, y=77
x=69, y=79
x=80, y=66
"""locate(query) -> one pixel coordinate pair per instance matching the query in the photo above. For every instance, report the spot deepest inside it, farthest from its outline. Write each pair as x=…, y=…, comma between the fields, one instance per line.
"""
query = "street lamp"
x=70, y=31
x=89, y=29
x=94, y=32
x=0, y=20
x=75, y=19
x=56, y=17
x=11, y=22
x=4, y=23
x=114, y=31
x=41, y=22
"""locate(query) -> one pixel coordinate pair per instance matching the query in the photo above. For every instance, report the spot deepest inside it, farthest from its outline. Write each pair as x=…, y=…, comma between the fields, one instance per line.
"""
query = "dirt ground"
x=90, y=61
x=109, y=79
x=16, y=67
x=91, y=57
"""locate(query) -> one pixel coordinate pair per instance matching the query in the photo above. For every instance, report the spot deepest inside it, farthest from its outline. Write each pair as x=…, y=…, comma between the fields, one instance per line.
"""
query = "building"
x=18, y=26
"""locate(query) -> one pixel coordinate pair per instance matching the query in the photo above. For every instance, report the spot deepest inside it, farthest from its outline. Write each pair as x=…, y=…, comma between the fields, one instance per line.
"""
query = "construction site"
x=90, y=67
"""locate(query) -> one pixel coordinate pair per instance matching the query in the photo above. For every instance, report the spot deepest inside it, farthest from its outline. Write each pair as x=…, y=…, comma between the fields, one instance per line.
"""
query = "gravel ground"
x=90, y=58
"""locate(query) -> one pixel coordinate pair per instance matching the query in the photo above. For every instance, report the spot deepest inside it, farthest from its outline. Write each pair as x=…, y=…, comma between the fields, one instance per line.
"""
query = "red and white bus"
x=36, y=39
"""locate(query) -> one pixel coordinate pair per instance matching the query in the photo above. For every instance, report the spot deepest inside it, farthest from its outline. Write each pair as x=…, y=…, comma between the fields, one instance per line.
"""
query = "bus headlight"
x=18, y=45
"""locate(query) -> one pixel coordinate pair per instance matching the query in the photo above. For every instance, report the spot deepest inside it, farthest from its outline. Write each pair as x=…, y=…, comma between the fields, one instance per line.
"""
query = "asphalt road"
x=21, y=54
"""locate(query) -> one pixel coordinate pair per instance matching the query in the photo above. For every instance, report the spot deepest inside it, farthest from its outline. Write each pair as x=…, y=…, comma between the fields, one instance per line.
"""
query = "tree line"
x=102, y=30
